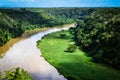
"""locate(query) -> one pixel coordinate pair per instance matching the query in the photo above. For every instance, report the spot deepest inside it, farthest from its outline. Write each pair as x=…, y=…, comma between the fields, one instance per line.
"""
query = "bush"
x=71, y=48
x=17, y=74
x=63, y=35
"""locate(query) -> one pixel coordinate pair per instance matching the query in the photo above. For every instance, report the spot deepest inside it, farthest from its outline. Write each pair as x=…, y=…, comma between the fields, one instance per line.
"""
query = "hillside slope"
x=13, y=22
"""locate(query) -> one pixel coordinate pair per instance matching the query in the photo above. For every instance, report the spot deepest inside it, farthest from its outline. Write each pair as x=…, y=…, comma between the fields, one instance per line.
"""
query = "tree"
x=17, y=74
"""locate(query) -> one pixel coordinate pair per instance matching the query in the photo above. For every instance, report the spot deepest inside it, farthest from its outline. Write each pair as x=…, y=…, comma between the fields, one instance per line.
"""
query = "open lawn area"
x=76, y=65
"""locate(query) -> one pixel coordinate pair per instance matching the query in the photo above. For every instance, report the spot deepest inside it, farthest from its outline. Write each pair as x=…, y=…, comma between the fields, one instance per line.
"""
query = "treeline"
x=13, y=22
x=98, y=34
x=72, y=13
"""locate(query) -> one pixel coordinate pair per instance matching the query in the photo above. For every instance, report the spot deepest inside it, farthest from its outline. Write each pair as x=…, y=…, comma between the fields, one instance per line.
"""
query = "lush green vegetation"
x=17, y=74
x=13, y=22
x=72, y=13
x=73, y=65
x=98, y=34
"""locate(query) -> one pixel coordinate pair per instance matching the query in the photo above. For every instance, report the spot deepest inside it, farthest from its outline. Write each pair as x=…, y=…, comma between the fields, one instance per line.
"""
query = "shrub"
x=63, y=35
x=71, y=48
x=17, y=74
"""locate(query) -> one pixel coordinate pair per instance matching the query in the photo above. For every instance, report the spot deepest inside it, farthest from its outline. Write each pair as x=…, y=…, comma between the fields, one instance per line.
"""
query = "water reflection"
x=26, y=55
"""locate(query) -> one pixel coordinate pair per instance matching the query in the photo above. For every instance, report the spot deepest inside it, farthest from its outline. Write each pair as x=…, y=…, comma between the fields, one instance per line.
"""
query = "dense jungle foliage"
x=99, y=35
x=13, y=22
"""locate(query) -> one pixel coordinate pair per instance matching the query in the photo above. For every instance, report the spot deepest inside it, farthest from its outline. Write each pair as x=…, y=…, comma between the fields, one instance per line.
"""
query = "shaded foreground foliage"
x=17, y=74
x=99, y=35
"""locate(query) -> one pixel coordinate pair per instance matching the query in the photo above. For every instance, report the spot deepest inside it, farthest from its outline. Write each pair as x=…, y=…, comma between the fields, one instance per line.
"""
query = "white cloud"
x=22, y=0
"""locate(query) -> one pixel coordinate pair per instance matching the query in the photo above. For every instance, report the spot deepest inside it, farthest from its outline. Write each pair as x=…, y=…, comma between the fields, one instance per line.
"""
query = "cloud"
x=22, y=0
x=59, y=3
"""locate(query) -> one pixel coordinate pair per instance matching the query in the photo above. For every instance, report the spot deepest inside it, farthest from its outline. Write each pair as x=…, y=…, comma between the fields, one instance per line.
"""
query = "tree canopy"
x=99, y=35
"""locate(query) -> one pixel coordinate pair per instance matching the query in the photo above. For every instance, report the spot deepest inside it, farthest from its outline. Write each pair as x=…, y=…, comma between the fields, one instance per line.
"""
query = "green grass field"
x=74, y=66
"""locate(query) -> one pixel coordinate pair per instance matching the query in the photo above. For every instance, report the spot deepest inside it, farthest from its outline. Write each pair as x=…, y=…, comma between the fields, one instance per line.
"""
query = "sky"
x=59, y=3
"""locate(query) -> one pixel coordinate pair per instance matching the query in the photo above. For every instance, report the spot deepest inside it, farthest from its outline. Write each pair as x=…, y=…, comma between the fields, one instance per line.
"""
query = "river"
x=26, y=55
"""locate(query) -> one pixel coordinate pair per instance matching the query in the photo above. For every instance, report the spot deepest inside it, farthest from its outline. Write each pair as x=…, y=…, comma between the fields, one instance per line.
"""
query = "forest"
x=13, y=22
x=98, y=34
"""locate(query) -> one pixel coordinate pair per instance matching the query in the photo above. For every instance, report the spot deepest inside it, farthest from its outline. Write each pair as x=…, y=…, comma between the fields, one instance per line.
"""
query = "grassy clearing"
x=74, y=66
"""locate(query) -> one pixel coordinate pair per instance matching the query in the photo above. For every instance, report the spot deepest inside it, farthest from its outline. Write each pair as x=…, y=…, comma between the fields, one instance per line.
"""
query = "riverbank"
x=74, y=66
x=26, y=34
x=26, y=55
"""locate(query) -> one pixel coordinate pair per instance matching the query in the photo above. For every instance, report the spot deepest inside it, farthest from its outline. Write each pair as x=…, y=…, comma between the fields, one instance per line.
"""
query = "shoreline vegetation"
x=76, y=65
x=26, y=34
x=22, y=52
x=14, y=22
